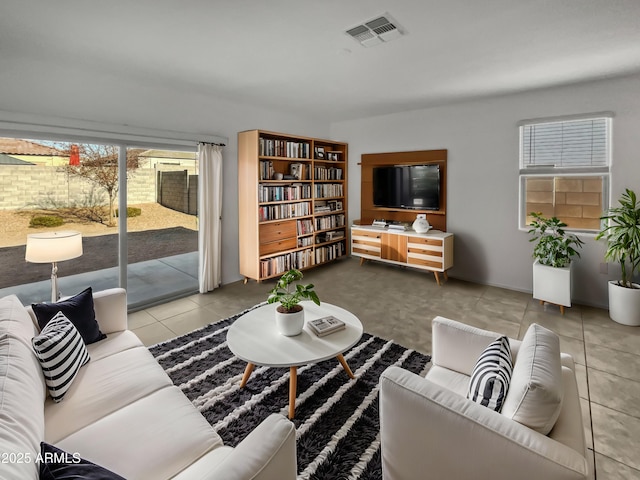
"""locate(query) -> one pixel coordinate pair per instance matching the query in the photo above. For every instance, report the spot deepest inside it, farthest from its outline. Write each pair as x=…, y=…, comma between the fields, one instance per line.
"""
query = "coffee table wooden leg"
x=343, y=362
x=247, y=374
x=293, y=385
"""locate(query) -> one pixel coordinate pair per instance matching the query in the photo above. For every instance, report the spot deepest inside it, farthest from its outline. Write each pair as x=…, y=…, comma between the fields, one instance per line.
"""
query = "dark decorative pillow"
x=491, y=375
x=78, y=309
x=59, y=465
x=61, y=352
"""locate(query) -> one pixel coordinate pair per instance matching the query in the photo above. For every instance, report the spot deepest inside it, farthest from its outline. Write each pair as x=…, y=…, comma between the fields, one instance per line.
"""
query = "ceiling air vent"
x=376, y=31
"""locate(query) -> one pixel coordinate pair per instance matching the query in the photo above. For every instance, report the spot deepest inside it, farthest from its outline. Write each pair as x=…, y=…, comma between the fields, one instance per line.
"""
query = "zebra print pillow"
x=61, y=352
x=491, y=375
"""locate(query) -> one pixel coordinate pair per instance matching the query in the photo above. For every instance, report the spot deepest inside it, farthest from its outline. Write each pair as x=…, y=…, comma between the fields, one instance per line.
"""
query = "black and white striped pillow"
x=61, y=352
x=491, y=375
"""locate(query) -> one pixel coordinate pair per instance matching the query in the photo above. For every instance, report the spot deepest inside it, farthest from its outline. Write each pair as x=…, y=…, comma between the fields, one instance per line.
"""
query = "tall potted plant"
x=290, y=314
x=553, y=253
x=622, y=231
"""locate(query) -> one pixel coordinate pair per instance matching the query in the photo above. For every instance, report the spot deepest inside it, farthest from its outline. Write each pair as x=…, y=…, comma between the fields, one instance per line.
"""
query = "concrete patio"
x=149, y=283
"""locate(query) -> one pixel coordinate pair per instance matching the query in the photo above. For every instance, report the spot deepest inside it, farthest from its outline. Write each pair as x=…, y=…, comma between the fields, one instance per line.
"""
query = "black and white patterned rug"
x=336, y=419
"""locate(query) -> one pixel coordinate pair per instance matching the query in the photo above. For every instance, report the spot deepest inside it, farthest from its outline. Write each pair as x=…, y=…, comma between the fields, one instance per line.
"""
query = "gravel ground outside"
x=159, y=232
x=14, y=224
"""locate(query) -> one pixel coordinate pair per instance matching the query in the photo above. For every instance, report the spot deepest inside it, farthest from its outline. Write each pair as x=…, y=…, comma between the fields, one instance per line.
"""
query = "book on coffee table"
x=326, y=325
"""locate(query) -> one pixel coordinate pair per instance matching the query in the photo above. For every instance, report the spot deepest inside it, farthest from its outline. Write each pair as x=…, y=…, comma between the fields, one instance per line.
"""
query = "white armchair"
x=429, y=429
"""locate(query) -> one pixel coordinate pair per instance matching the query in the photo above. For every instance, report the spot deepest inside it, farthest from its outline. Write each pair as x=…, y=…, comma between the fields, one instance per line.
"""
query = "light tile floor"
x=397, y=303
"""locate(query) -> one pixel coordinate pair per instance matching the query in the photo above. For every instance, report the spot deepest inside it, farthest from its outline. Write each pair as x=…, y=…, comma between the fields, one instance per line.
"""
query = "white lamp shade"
x=53, y=247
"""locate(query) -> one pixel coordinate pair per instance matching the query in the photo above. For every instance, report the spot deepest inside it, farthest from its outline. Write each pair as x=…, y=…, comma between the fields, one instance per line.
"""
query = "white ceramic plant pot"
x=624, y=304
x=551, y=284
x=290, y=324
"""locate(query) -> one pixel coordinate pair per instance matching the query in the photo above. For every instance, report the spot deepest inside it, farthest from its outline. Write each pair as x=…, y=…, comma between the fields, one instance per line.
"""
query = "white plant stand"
x=552, y=285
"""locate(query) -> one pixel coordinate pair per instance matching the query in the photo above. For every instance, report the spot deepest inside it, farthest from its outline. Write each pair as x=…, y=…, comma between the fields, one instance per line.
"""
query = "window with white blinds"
x=571, y=143
x=564, y=170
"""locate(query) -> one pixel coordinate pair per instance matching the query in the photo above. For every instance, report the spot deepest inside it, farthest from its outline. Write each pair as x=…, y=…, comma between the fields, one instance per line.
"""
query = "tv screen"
x=387, y=187
x=423, y=190
x=407, y=186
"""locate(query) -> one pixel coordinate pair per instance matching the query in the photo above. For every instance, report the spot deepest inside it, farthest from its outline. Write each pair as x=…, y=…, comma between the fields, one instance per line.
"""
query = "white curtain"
x=210, y=216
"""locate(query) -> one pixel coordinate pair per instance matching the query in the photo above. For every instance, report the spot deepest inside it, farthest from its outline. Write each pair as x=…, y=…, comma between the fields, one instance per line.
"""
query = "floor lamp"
x=53, y=247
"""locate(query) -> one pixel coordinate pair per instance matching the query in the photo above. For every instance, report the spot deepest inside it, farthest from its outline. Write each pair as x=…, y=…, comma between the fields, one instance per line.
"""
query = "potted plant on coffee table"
x=290, y=314
x=552, y=265
x=622, y=231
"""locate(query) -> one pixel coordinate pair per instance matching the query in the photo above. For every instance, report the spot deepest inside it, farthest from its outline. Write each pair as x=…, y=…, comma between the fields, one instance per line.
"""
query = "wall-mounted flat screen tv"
x=407, y=186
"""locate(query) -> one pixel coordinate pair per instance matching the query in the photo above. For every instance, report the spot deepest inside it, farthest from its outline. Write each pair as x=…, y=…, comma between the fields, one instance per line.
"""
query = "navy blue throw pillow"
x=57, y=464
x=78, y=309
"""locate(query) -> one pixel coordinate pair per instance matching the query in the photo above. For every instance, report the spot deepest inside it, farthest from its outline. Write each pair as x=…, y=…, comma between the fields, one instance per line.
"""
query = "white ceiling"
x=294, y=54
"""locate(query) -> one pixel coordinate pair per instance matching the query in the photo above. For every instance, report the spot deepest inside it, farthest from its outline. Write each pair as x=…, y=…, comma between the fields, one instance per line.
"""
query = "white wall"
x=482, y=142
x=90, y=95
x=481, y=137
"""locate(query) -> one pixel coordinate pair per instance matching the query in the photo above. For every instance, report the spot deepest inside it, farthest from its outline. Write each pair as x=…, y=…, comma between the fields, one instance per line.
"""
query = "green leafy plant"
x=131, y=212
x=290, y=295
x=46, y=221
x=622, y=231
x=555, y=247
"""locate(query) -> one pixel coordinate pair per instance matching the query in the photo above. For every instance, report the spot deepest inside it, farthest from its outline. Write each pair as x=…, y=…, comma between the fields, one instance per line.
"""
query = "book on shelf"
x=330, y=221
x=329, y=252
x=329, y=236
x=326, y=325
x=333, y=155
x=300, y=171
x=320, y=206
x=283, y=148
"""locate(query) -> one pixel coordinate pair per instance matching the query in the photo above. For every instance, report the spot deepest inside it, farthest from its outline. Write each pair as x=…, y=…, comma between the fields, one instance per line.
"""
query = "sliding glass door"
x=48, y=187
x=161, y=225
x=135, y=209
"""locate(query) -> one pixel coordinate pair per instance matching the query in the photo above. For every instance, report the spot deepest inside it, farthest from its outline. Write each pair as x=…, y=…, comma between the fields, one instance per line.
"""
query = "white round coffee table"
x=255, y=339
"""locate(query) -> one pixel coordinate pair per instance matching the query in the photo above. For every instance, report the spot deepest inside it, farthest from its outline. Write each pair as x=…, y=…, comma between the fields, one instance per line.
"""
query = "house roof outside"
x=16, y=146
x=173, y=154
x=9, y=160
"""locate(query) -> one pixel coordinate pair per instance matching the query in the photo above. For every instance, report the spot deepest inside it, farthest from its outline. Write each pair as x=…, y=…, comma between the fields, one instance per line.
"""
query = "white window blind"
x=570, y=143
x=565, y=167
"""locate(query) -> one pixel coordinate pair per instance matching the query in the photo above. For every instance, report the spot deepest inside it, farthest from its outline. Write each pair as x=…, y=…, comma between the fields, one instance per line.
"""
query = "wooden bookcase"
x=292, y=196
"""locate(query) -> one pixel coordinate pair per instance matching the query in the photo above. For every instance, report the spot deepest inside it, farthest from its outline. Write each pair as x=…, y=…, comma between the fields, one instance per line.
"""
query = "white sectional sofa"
x=430, y=429
x=121, y=412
